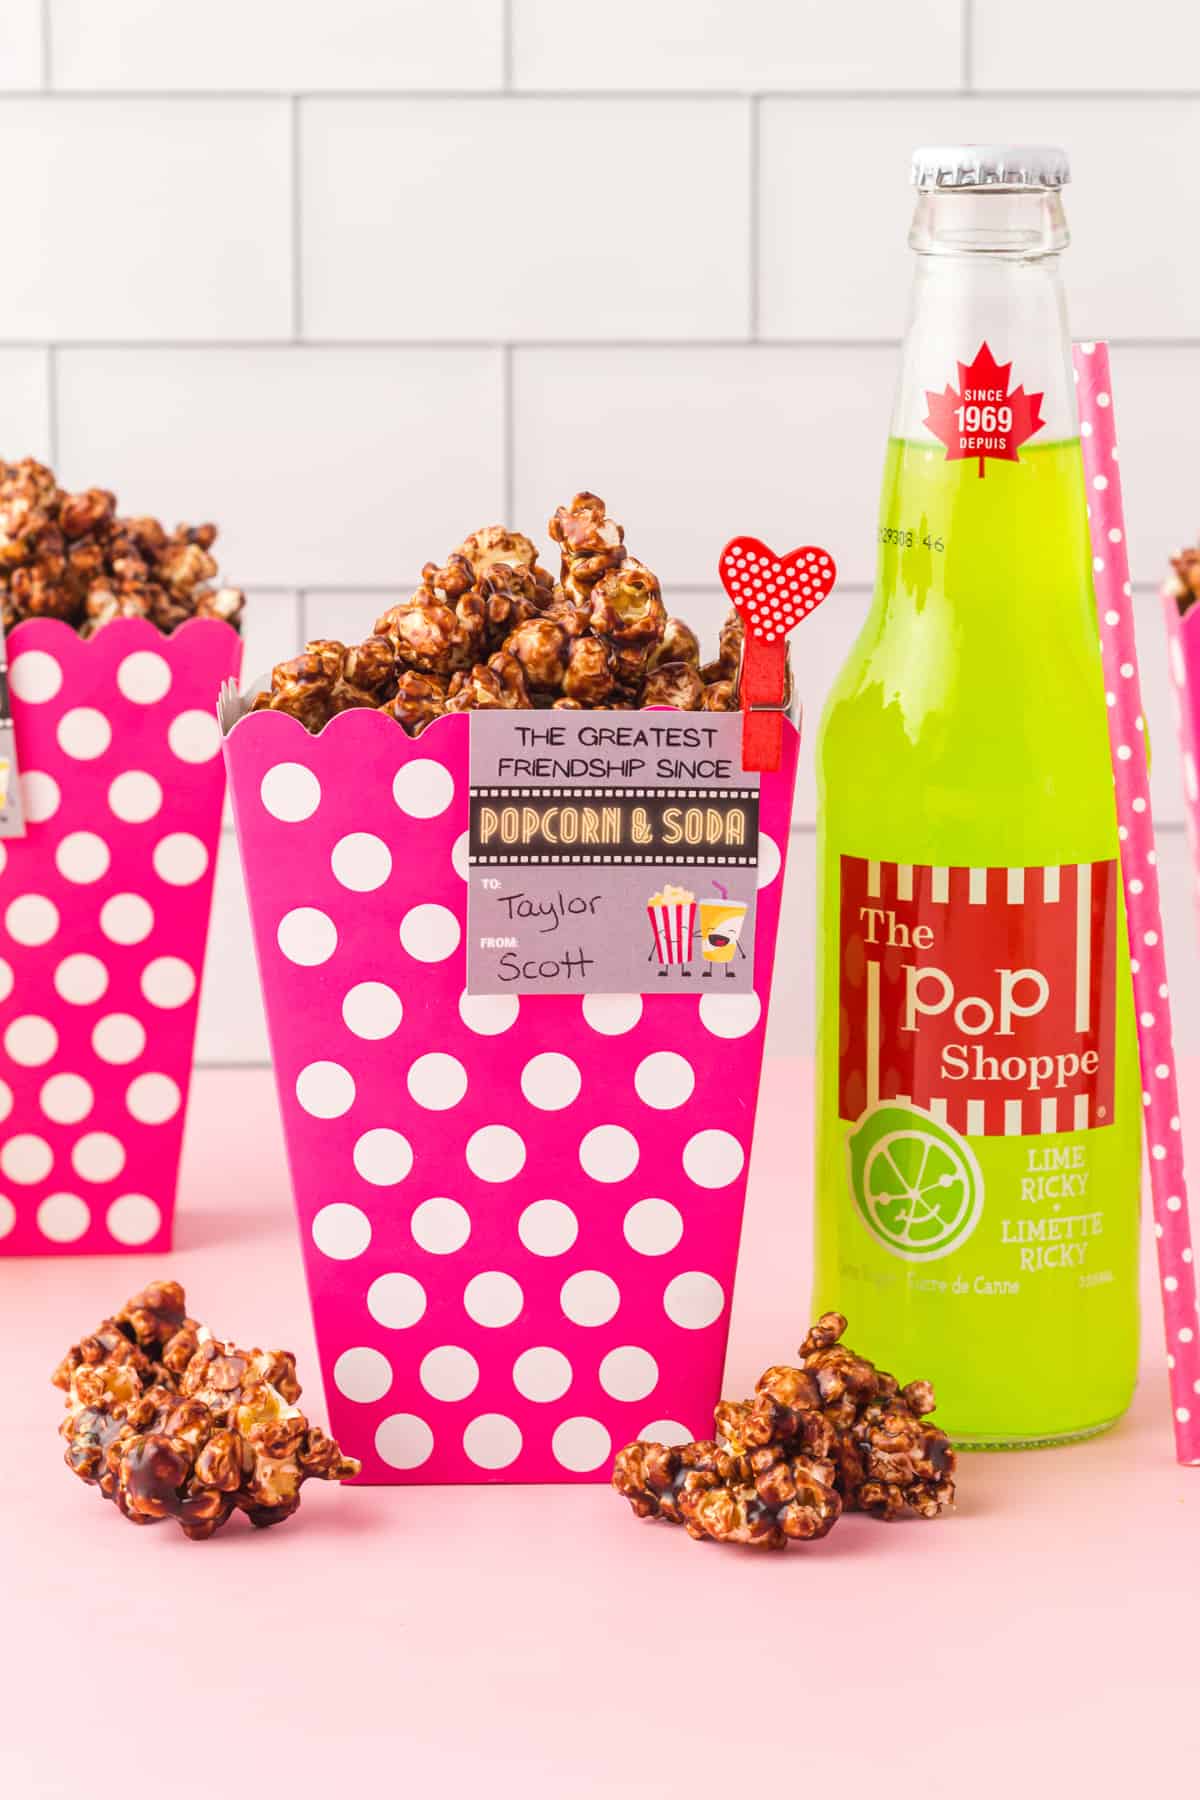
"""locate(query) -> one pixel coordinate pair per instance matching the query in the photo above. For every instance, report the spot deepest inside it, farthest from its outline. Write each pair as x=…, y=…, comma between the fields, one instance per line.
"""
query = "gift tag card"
x=12, y=818
x=610, y=853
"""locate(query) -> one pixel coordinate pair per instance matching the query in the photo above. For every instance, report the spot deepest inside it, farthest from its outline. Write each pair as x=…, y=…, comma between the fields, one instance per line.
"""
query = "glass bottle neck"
x=987, y=273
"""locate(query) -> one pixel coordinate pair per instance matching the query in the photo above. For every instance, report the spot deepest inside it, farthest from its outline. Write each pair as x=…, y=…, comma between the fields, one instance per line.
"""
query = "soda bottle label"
x=975, y=1003
x=985, y=996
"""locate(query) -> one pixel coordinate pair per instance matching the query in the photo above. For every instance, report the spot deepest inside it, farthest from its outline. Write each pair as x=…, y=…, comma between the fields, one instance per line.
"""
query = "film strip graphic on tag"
x=986, y=996
x=12, y=818
x=685, y=828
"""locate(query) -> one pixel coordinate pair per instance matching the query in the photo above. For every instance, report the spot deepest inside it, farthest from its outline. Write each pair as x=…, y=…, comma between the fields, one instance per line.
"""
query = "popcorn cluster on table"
x=171, y=1423
x=836, y=1434
x=491, y=628
x=70, y=557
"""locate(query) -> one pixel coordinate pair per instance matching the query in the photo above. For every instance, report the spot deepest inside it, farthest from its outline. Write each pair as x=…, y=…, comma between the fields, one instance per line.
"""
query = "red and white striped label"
x=986, y=996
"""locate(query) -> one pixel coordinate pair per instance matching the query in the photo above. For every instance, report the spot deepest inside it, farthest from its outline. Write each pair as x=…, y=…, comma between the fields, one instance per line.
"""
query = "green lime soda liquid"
x=978, y=1096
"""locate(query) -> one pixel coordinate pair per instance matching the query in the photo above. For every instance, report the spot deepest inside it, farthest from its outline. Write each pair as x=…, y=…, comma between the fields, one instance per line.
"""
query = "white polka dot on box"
x=520, y=1215
x=104, y=908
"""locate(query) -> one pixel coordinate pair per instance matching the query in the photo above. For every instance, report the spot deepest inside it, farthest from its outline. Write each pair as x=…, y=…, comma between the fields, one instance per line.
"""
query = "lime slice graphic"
x=915, y=1181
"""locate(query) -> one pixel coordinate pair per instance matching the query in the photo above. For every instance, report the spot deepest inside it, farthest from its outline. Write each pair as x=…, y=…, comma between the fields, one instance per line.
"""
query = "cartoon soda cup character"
x=721, y=923
x=673, y=922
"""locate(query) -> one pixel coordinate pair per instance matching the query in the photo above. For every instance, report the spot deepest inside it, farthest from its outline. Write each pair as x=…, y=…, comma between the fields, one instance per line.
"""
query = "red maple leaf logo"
x=981, y=417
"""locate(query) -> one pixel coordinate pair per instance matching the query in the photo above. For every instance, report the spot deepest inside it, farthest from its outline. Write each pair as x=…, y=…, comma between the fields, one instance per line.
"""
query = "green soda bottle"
x=978, y=1098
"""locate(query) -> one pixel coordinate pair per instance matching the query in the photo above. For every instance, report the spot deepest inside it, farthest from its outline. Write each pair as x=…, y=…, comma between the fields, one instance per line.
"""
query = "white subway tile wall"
x=834, y=197
x=756, y=46
x=1090, y=45
x=517, y=219
x=353, y=279
x=273, y=630
x=145, y=218
x=274, y=618
x=229, y=46
x=321, y=465
x=692, y=443
x=25, y=402
x=21, y=24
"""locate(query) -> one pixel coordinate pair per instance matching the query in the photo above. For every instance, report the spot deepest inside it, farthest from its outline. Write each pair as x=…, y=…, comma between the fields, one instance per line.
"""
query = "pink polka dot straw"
x=1168, y=1185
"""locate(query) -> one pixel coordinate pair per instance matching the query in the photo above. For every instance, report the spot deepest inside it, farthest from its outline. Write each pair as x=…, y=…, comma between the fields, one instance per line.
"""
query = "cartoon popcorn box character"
x=673, y=922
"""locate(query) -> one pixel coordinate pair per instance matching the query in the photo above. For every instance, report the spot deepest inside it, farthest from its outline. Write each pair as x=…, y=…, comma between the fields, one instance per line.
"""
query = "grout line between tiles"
x=296, y=199
x=46, y=27
x=506, y=45
x=539, y=346
x=508, y=434
x=754, y=231
x=52, y=404
x=968, y=46
x=712, y=96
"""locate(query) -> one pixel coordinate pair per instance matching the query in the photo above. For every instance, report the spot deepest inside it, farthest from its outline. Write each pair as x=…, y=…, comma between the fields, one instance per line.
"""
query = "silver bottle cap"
x=990, y=165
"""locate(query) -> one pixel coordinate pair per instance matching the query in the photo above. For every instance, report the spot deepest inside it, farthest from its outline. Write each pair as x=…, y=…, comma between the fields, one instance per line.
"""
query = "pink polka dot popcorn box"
x=104, y=909
x=519, y=1211
x=1182, y=616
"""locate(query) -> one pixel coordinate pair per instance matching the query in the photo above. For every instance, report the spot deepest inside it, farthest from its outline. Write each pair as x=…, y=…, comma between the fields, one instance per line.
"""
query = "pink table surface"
x=541, y=1641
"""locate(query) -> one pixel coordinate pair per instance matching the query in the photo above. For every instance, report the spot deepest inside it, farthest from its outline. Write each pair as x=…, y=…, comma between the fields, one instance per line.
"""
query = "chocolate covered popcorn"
x=1184, y=582
x=763, y=1501
x=442, y=627
x=720, y=695
x=679, y=644
x=591, y=543
x=490, y=627
x=835, y=1434
x=676, y=684
x=725, y=665
x=321, y=680
x=71, y=557
x=169, y=1422
x=500, y=684
x=418, y=699
x=628, y=612
x=541, y=647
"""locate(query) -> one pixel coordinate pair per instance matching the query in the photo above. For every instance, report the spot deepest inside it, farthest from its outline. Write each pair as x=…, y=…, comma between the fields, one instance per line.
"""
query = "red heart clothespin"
x=771, y=594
